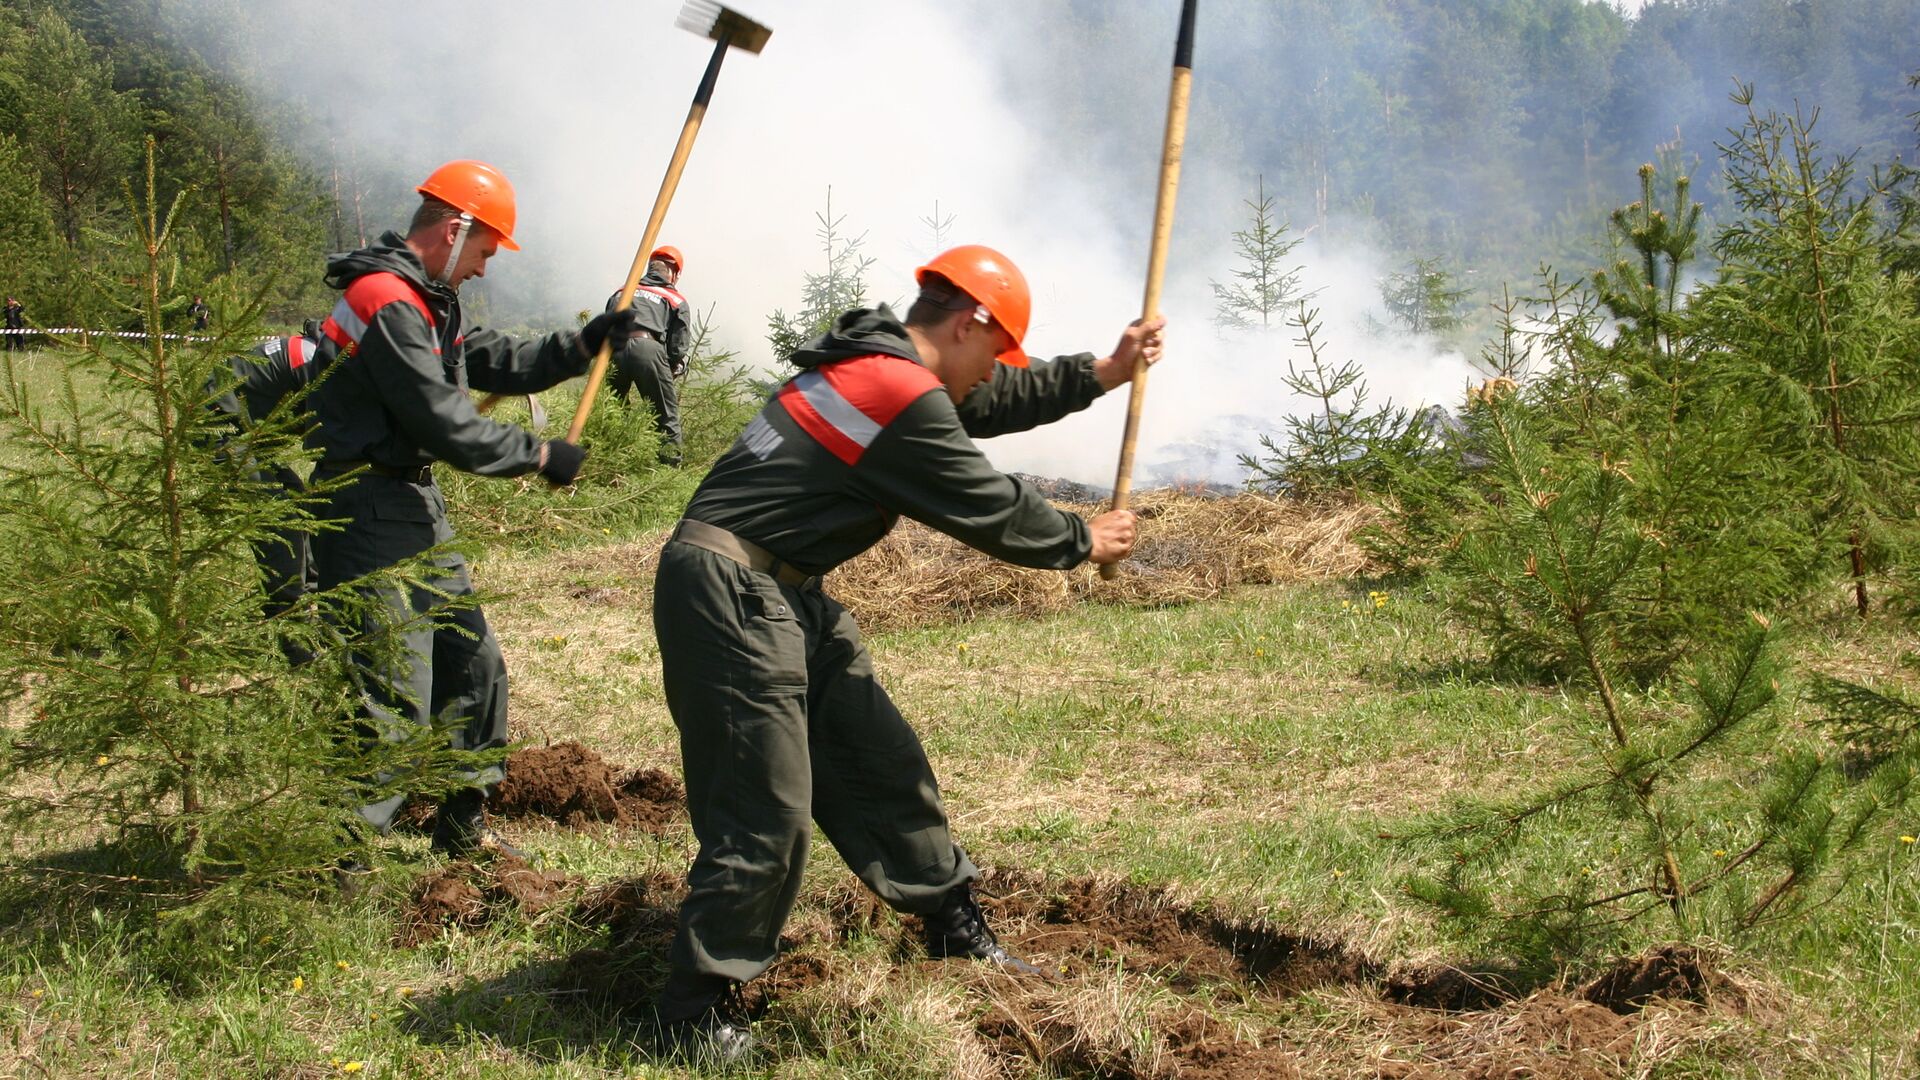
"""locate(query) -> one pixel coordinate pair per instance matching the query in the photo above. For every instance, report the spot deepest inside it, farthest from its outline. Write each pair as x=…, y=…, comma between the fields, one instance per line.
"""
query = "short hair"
x=938, y=301
x=661, y=266
x=432, y=212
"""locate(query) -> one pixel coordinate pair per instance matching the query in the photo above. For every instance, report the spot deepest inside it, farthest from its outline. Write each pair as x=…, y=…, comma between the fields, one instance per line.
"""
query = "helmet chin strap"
x=445, y=276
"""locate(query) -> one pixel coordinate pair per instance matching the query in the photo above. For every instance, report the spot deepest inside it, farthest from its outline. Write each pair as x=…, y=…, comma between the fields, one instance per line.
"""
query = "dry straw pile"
x=1190, y=548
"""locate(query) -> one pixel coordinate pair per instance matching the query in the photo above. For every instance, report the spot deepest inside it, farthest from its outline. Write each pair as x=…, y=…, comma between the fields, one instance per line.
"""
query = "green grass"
x=1256, y=756
x=1247, y=753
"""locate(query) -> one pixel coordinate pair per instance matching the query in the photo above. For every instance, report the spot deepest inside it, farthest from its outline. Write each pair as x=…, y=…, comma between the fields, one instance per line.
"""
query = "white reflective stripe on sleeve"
x=343, y=317
x=836, y=410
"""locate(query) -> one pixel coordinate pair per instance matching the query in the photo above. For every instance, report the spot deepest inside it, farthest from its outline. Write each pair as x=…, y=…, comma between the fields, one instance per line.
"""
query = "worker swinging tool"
x=1172, y=148
x=729, y=30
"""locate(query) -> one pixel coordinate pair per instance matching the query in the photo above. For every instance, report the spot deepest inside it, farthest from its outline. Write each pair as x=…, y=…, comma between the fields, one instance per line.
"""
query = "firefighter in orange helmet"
x=782, y=721
x=399, y=359
x=656, y=355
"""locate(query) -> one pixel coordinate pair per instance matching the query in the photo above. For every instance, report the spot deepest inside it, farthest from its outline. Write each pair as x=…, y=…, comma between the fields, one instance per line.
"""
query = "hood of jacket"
x=390, y=254
x=860, y=332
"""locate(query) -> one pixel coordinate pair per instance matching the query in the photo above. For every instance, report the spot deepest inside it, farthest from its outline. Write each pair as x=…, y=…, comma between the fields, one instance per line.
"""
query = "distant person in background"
x=198, y=309
x=656, y=354
x=17, y=323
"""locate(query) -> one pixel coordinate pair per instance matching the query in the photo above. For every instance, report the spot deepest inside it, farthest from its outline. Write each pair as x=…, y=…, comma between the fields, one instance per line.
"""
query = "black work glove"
x=562, y=462
x=611, y=329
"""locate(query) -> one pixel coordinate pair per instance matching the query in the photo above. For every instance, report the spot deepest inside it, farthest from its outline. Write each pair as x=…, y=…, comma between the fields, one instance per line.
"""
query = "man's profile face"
x=482, y=243
x=975, y=347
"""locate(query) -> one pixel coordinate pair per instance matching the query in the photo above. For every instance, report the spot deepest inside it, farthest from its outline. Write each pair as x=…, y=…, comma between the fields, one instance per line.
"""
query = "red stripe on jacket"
x=371, y=292
x=364, y=299
x=879, y=386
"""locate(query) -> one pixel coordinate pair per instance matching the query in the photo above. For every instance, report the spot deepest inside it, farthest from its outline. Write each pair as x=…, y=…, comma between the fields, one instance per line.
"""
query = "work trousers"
x=287, y=570
x=451, y=666
x=783, y=724
x=642, y=366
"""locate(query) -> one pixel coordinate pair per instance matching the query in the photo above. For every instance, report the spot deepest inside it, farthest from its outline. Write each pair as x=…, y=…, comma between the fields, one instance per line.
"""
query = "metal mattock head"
x=722, y=23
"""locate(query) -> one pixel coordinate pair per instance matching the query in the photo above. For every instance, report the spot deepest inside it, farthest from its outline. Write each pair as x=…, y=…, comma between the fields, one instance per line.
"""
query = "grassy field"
x=1227, y=766
x=1188, y=813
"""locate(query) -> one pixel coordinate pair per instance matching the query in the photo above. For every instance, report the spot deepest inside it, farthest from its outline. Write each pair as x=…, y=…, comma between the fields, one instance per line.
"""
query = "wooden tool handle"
x=1172, y=148
x=668, y=185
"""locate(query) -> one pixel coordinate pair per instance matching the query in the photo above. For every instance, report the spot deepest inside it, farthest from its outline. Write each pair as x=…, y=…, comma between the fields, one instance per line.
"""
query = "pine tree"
x=1808, y=296
x=144, y=692
x=823, y=296
x=1423, y=298
x=1340, y=446
x=81, y=131
x=1266, y=287
x=938, y=226
x=1560, y=552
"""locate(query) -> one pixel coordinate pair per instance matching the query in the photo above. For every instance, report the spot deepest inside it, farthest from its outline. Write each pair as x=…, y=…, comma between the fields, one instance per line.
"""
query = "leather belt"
x=745, y=552
x=419, y=474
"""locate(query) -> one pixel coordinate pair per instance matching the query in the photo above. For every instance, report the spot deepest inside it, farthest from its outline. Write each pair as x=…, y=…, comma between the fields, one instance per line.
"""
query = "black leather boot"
x=959, y=928
x=704, y=1021
x=460, y=828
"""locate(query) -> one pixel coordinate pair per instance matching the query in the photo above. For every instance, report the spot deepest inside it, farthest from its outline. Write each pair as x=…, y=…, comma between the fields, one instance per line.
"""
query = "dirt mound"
x=1076, y=1037
x=1190, y=548
x=464, y=895
x=575, y=786
x=1667, y=973
x=1087, y=921
x=1549, y=1036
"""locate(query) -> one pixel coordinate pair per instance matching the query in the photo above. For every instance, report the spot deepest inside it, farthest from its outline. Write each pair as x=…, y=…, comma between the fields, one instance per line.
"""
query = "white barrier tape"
x=103, y=333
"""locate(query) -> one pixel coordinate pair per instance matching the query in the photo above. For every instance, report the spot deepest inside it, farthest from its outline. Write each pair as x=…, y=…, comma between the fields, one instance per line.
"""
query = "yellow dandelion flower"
x=102, y=759
x=353, y=1066
x=1346, y=603
x=1259, y=652
x=963, y=646
x=1719, y=853
x=298, y=984
x=405, y=991
x=342, y=965
x=508, y=999
x=1906, y=839
x=1339, y=873
x=38, y=994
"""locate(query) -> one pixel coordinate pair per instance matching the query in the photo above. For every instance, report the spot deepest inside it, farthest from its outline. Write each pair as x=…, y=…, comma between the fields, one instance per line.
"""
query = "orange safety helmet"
x=670, y=254
x=992, y=279
x=479, y=189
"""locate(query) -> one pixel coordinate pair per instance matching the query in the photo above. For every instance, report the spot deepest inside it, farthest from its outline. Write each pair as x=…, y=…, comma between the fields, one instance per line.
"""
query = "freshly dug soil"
x=575, y=786
x=1175, y=961
x=467, y=896
x=1668, y=973
x=1083, y=921
x=1549, y=1036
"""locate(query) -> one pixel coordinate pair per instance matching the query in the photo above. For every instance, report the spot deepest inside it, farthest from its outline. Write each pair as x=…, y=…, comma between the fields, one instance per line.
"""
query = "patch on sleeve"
x=760, y=438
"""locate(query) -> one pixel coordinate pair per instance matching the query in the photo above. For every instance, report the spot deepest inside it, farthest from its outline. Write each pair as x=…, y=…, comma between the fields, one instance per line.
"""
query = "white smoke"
x=894, y=106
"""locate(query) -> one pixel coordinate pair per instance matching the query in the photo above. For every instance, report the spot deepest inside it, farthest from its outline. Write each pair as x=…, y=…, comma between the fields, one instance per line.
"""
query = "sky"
x=893, y=106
